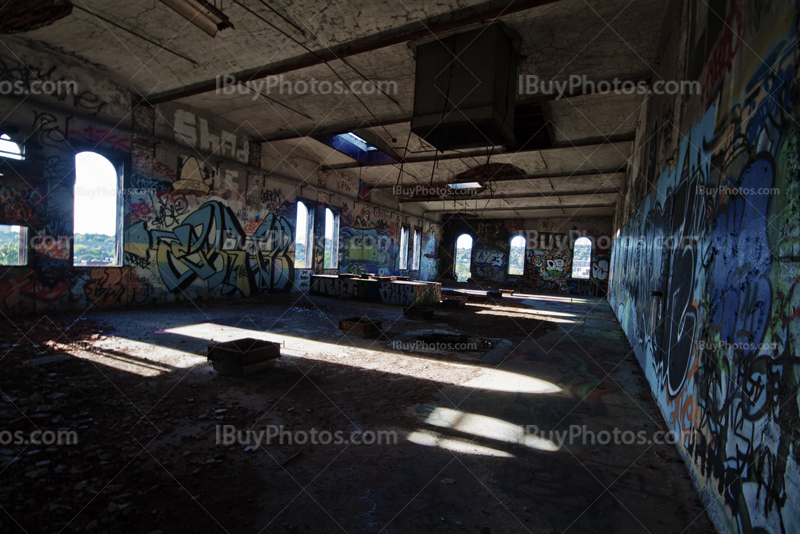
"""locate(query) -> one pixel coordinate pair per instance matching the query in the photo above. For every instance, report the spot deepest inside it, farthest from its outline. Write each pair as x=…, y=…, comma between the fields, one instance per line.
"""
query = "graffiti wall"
x=199, y=218
x=369, y=243
x=704, y=273
x=548, y=253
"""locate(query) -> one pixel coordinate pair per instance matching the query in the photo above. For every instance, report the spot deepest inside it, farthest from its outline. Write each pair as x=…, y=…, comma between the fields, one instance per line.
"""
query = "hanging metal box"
x=465, y=89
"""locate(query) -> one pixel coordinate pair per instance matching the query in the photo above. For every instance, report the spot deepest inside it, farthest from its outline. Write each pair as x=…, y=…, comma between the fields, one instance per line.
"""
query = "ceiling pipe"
x=202, y=14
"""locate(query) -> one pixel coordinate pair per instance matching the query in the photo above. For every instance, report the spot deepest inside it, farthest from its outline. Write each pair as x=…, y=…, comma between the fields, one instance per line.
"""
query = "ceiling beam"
x=523, y=208
x=583, y=143
x=342, y=127
x=541, y=176
x=484, y=196
x=289, y=133
x=638, y=82
x=421, y=28
x=541, y=213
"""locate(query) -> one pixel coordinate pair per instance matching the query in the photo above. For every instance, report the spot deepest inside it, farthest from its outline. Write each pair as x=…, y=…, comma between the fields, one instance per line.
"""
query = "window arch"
x=582, y=258
x=463, y=261
x=516, y=256
x=96, y=211
x=9, y=149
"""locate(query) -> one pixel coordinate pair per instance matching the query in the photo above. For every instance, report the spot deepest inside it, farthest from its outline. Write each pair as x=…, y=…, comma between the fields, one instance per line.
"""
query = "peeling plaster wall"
x=548, y=254
x=206, y=213
x=705, y=266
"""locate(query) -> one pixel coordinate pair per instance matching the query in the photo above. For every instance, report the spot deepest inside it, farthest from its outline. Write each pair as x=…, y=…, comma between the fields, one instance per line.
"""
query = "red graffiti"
x=97, y=135
x=108, y=286
x=722, y=56
x=52, y=248
x=251, y=227
x=26, y=285
x=162, y=169
x=140, y=211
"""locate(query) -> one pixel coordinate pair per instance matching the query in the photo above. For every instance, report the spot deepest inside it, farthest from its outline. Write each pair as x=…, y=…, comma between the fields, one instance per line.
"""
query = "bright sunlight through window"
x=516, y=257
x=304, y=245
x=331, y=239
x=582, y=258
x=463, y=257
x=96, y=211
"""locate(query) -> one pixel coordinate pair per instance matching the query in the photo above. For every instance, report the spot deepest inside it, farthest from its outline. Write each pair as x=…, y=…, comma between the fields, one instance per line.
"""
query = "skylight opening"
x=355, y=147
x=356, y=140
x=465, y=185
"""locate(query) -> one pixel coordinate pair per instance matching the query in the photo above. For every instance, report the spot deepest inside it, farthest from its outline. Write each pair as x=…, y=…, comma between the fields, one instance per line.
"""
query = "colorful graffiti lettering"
x=210, y=245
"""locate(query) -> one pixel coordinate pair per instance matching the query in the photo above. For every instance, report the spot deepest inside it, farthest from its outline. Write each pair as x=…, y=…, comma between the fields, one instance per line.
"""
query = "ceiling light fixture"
x=202, y=14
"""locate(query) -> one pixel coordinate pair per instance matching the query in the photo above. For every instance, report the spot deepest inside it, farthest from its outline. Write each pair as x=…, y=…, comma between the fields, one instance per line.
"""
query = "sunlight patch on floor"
x=344, y=353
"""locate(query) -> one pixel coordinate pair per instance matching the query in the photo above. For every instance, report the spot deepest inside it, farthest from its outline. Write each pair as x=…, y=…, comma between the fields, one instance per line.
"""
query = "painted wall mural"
x=201, y=244
x=548, y=255
x=705, y=276
x=369, y=242
x=548, y=270
x=189, y=230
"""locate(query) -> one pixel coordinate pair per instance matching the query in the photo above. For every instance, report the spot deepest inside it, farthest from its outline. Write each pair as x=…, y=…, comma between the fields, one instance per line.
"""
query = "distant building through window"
x=516, y=256
x=96, y=211
x=582, y=258
x=463, y=262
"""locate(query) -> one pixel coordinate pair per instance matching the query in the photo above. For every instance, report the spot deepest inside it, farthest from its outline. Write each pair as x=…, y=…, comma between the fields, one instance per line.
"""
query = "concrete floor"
x=146, y=406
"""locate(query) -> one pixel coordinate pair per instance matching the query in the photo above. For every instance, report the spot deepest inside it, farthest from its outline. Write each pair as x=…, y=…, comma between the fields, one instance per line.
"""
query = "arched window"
x=463, y=257
x=96, y=211
x=331, y=259
x=9, y=149
x=304, y=237
x=516, y=256
x=582, y=258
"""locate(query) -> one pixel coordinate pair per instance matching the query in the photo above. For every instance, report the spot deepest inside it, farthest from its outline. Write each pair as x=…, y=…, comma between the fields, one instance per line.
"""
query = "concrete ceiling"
x=591, y=135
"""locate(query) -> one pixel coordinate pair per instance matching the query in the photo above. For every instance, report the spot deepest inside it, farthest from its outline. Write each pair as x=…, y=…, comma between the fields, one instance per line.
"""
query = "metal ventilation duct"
x=465, y=89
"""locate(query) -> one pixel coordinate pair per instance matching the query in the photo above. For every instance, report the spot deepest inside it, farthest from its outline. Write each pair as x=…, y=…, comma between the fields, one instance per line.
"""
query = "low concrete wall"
x=399, y=292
